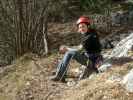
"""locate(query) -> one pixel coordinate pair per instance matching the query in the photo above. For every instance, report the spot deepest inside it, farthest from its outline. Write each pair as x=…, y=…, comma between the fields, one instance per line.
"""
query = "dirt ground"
x=28, y=79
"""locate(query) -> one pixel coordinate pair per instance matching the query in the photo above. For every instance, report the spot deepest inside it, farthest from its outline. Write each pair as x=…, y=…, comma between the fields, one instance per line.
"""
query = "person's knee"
x=71, y=52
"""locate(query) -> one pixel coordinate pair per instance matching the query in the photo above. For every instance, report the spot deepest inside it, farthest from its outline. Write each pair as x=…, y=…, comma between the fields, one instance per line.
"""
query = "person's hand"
x=63, y=49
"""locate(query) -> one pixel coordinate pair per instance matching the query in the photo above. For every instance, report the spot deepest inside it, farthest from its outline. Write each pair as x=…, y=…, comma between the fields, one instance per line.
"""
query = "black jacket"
x=90, y=42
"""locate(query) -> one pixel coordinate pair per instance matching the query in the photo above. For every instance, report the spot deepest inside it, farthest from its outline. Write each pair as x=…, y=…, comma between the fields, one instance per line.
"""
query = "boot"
x=85, y=73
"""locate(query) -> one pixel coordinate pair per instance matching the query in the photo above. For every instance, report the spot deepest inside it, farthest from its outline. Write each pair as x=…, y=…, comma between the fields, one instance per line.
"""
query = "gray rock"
x=128, y=81
x=121, y=50
x=122, y=18
x=104, y=67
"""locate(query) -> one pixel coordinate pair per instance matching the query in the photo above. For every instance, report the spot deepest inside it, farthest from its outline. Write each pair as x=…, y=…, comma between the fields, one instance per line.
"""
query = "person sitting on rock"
x=88, y=52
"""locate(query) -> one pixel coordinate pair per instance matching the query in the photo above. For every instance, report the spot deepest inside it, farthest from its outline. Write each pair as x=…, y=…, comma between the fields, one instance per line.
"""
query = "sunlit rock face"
x=120, y=50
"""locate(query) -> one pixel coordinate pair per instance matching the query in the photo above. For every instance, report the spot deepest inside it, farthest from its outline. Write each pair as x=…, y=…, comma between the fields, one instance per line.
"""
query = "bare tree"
x=23, y=27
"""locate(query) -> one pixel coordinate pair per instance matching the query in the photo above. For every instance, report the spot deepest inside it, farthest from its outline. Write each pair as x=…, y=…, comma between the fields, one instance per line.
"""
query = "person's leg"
x=87, y=64
x=63, y=65
x=81, y=58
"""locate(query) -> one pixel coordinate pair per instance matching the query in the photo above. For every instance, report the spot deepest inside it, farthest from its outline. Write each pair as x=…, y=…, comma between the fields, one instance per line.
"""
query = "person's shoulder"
x=93, y=31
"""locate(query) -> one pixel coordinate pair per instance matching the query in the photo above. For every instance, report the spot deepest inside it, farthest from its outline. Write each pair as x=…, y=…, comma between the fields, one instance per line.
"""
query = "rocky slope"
x=28, y=79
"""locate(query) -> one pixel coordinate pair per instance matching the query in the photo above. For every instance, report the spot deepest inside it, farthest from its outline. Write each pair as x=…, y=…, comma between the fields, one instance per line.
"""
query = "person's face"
x=82, y=28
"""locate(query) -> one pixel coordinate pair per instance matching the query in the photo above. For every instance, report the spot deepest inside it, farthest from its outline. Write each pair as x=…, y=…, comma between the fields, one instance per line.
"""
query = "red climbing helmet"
x=83, y=19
